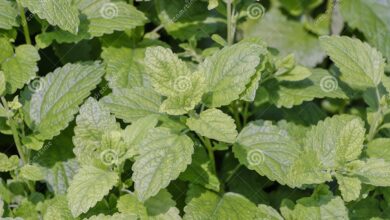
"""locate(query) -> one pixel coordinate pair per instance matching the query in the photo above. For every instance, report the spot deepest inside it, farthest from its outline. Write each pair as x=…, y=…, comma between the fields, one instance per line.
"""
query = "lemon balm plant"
x=233, y=109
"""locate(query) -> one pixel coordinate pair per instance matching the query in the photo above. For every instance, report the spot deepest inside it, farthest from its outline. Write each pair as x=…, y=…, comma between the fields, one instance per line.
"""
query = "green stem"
x=232, y=173
x=15, y=133
x=245, y=115
x=378, y=118
x=26, y=32
x=236, y=115
x=229, y=22
x=206, y=142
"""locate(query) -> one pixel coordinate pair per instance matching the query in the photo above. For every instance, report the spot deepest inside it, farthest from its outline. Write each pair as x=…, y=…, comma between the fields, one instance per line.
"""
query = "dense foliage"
x=196, y=109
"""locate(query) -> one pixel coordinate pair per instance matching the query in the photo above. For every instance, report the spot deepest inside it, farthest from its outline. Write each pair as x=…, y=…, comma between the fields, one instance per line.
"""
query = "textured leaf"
x=116, y=216
x=133, y=104
x=372, y=171
x=54, y=104
x=265, y=212
x=228, y=72
x=8, y=163
x=361, y=66
x=214, y=124
x=210, y=205
x=8, y=14
x=88, y=187
x=130, y=204
x=287, y=36
x=162, y=207
x=20, y=68
x=379, y=148
x=32, y=172
x=57, y=208
x=2, y=84
x=349, y=186
x=6, y=49
x=336, y=140
x=92, y=123
x=296, y=7
x=271, y=151
x=171, y=77
x=58, y=176
x=372, y=18
x=61, y=13
x=163, y=156
x=320, y=84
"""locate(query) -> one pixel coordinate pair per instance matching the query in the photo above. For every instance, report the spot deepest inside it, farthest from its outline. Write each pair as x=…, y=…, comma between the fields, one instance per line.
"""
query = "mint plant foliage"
x=195, y=110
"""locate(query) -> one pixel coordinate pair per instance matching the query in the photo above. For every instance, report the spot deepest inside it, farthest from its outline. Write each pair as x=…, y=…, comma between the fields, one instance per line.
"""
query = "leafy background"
x=116, y=109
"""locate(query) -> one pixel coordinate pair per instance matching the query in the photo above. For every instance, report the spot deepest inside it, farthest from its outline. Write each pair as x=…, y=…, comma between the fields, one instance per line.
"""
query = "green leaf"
x=162, y=206
x=372, y=18
x=210, y=205
x=7, y=49
x=265, y=212
x=296, y=74
x=163, y=156
x=92, y=123
x=321, y=205
x=336, y=140
x=2, y=83
x=378, y=148
x=88, y=187
x=320, y=84
x=20, y=68
x=8, y=163
x=171, y=77
x=228, y=72
x=124, y=67
x=349, y=186
x=200, y=171
x=212, y=4
x=214, y=124
x=57, y=99
x=288, y=36
x=116, y=216
x=8, y=14
x=59, y=175
x=297, y=7
x=130, y=204
x=371, y=171
x=32, y=172
x=61, y=13
x=133, y=104
x=361, y=65
x=57, y=208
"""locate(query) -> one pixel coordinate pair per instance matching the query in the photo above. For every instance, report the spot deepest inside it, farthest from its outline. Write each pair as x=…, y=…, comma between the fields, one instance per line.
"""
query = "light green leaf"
x=379, y=148
x=57, y=208
x=320, y=84
x=88, y=187
x=7, y=49
x=162, y=207
x=55, y=102
x=209, y=205
x=228, y=72
x=249, y=94
x=171, y=77
x=321, y=205
x=163, y=156
x=61, y=13
x=116, y=216
x=200, y=171
x=212, y=4
x=267, y=149
x=32, y=172
x=298, y=73
x=2, y=83
x=265, y=212
x=133, y=104
x=287, y=36
x=59, y=175
x=296, y=7
x=361, y=65
x=371, y=171
x=124, y=67
x=130, y=204
x=336, y=140
x=8, y=14
x=20, y=68
x=349, y=186
x=8, y=163
x=92, y=123
x=372, y=18
x=214, y=124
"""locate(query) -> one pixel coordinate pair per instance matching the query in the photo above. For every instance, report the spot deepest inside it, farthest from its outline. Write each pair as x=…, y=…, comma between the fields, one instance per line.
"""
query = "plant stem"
x=378, y=117
x=234, y=110
x=26, y=32
x=15, y=132
x=229, y=22
x=206, y=142
x=232, y=173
